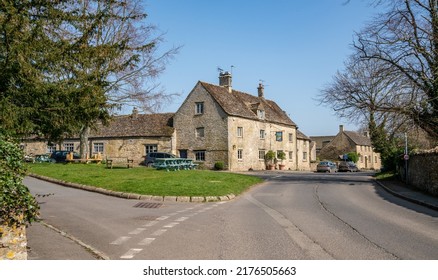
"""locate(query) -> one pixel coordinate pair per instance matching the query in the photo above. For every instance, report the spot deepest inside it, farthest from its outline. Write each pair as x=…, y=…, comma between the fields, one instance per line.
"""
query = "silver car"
x=326, y=166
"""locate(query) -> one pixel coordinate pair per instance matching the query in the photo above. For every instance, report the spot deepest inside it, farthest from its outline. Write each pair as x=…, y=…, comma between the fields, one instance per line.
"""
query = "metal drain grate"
x=148, y=205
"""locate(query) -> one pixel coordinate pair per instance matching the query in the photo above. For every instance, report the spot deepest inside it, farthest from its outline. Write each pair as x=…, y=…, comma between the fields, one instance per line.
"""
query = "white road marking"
x=130, y=254
x=120, y=240
x=151, y=223
x=137, y=231
x=182, y=219
x=162, y=218
x=146, y=241
x=159, y=232
x=171, y=225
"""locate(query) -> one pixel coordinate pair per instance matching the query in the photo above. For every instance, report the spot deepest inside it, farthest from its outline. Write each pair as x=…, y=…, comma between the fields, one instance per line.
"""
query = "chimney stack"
x=341, y=128
x=260, y=90
x=134, y=113
x=225, y=80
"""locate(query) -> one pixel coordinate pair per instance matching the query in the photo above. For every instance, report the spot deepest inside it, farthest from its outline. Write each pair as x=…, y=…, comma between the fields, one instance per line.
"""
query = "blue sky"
x=294, y=46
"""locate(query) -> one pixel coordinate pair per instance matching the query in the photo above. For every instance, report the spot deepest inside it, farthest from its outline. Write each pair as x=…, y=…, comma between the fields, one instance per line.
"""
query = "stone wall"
x=13, y=243
x=423, y=171
x=213, y=120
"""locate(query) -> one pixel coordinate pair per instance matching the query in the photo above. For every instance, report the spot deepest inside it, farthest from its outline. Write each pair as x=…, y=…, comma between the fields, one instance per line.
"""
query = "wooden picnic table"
x=174, y=164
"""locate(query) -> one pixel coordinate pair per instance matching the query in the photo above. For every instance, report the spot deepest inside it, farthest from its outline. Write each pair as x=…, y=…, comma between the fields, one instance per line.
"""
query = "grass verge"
x=148, y=181
x=387, y=175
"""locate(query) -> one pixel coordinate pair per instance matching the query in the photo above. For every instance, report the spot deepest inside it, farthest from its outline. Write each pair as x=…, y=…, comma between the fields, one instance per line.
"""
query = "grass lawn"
x=148, y=181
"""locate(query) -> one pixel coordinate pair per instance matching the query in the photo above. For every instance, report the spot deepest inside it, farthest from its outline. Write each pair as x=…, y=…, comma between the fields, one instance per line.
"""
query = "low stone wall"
x=13, y=243
x=423, y=171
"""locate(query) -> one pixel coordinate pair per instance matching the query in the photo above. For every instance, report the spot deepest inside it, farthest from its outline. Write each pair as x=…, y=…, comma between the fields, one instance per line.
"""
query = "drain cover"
x=148, y=205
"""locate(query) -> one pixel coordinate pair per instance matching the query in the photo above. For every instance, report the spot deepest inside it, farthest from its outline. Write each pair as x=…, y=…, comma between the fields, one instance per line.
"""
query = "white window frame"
x=262, y=134
x=98, y=147
x=240, y=131
x=150, y=148
x=69, y=146
x=199, y=108
x=261, y=114
x=51, y=148
x=262, y=154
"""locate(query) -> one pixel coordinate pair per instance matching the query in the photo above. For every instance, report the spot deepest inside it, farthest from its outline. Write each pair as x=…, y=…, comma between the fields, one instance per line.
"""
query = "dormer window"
x=261, y=114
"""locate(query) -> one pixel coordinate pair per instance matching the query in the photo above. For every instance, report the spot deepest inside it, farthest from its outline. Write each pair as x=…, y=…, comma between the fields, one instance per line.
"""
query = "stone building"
x=215, y=123
x=334, y=147
x=129, y=136
x=219, y=124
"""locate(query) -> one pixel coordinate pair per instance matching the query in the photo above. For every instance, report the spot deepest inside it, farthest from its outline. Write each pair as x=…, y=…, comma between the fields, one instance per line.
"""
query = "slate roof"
x=137, y=125
x=358, y=139
x=301, y=135
x=319, y=140
x=239, y=104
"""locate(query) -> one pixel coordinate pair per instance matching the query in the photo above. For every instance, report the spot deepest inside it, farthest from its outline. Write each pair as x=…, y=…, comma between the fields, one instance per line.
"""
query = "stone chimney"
x=225, y=80
x=260, y=90
x=341, y=128
x=134, y=113
x=366, y=134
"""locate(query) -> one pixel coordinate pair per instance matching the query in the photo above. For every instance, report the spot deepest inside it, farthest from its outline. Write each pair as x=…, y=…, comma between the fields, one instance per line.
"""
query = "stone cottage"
x=334, y=147
x=219, y=124
x=129, y=136
x=215, y=123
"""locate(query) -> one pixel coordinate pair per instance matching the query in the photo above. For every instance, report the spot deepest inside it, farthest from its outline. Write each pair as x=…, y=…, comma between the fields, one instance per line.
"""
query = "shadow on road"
x=385, y=195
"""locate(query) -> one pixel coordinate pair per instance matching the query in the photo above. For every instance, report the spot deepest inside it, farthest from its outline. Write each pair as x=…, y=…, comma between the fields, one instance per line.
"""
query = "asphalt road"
x=290, y=216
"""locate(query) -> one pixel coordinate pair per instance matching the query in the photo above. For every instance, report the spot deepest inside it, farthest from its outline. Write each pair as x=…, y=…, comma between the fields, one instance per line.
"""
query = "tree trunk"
x=83, y=146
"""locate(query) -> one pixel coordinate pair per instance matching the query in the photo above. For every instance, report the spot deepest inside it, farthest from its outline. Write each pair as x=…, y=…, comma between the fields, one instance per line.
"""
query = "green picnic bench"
x=174, y=164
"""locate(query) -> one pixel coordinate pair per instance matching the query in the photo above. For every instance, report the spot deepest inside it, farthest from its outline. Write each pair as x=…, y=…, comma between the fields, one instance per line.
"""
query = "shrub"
x=17, y=205
x=219, y=165
x=353, y=156
x=281, y=155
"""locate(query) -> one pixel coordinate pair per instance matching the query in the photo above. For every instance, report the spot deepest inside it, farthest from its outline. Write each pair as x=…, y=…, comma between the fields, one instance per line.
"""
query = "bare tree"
x=405, y=40
x=365, y=88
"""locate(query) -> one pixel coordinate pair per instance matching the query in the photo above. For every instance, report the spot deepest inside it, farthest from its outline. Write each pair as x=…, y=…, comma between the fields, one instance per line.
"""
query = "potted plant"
x=281, y=156
x=269, y=160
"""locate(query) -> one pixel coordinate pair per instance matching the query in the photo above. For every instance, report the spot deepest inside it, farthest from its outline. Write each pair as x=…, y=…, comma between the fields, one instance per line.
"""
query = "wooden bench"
x=84, y=160
x=110, y=163
x=97, y=158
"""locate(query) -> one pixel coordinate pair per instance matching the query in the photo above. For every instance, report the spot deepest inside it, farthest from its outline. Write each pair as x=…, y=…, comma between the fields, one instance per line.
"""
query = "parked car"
x=60, y=156
x=150, y=157
x=43, y=158
x=347, y=166
x=326, y=166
